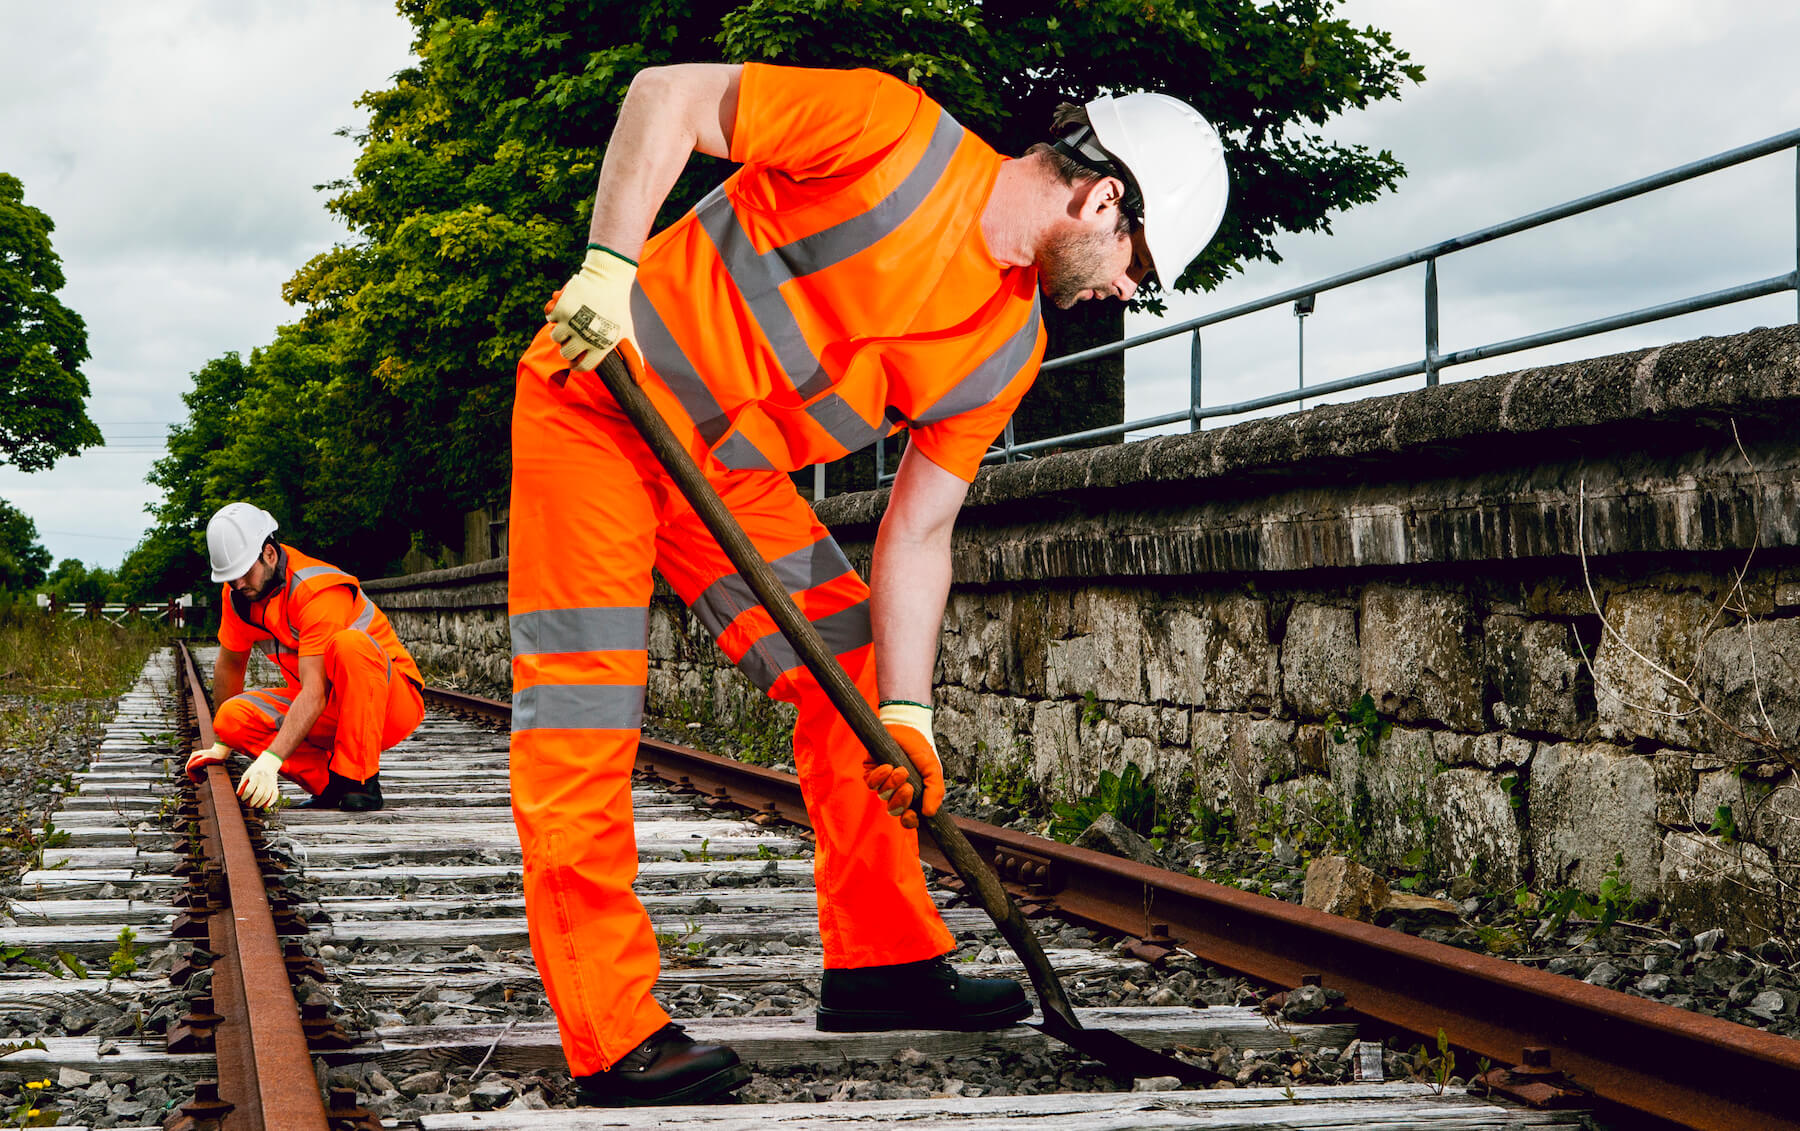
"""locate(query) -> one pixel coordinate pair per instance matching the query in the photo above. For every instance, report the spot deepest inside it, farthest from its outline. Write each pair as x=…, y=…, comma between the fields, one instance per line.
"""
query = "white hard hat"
x=1176, y=159
x=234, y=536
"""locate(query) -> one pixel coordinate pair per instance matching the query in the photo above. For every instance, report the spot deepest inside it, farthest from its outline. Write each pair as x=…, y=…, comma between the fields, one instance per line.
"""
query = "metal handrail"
x=1433, y=361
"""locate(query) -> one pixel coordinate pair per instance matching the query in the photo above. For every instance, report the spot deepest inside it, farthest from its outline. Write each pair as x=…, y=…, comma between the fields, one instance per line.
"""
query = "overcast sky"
x=175, y=145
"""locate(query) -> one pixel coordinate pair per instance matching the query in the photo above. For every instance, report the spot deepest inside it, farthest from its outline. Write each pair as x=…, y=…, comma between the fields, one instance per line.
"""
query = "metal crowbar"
x=1059, y=1021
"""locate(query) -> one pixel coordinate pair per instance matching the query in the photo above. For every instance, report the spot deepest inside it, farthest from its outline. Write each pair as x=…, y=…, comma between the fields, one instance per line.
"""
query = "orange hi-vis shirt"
x=315, y=601
x=837, y=287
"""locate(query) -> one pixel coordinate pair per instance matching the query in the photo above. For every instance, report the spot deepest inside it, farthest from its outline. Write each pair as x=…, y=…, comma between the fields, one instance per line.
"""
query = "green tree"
x=23, y=560
x=74, y=583
x=42, y=343
x=469, y=202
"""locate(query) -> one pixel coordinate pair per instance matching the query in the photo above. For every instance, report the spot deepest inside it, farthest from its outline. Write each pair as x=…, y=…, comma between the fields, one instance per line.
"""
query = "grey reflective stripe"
x=989, y=378
x=580, y=706
x=758, y=279
x=366, y=617
x=729, y=597
x=758, y=276
x=672, y=365
x=597, y=629
x=843, y=424
x=739, y=454
x=859, y=233
x=273, y=714
x=309, y=572
x=843, y=631
x=847, y=629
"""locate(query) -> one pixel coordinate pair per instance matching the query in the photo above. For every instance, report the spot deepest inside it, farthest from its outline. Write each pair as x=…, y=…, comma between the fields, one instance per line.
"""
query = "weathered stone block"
x=1477, y=826
x=1175, y=666
x=1493, y=751
x=1416, y=657
x=1705, y=880
x=1388, y=792
x=1750, y=675
x=1321, y=665
x=1242, y=672
x=1105, y=658
x=1535, y=677
x=1172, y=725
x=1675, y=783
x=1136, y=720
x=1651, y=628
x=1589, y=805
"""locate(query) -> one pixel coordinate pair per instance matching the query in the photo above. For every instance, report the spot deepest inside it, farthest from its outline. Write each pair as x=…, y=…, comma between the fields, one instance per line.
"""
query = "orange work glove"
x=910, y=726
x=200, y=759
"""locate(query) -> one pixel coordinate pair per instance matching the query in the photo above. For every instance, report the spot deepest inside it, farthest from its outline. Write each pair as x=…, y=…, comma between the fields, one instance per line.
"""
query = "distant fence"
x=175, y=611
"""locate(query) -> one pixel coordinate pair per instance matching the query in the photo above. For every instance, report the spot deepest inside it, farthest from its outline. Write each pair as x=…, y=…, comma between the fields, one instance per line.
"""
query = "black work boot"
x=668, y=1068
x=344, y=793
x=917, y=995
x=361, y=797
x=328, y=797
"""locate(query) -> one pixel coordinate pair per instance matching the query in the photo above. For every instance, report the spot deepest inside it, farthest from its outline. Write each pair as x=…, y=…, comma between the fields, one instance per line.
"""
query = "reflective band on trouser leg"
x=360, y=683
x=580, y=548
x=873, y=905
x=249, y=722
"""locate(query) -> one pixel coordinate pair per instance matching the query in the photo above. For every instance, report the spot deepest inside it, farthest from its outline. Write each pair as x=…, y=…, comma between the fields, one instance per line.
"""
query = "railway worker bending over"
x=871, y=267
x=352, y=689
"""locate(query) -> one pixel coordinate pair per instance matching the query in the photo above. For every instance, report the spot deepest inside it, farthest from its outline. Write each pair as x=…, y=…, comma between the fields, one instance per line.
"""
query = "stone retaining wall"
x=1203, y=605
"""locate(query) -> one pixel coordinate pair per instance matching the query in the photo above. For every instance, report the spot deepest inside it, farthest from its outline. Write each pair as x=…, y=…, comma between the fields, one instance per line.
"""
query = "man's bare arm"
x=228, y=675
x=910, y=576
x=668, y=114
x=308, y=705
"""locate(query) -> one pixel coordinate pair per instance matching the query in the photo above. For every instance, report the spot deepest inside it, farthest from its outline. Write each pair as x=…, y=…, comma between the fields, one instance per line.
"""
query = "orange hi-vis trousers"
x=592, y=513
x=368, y=708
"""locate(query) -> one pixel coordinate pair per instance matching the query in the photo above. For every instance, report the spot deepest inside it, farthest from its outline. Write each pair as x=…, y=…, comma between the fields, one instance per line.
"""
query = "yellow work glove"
x=258, y=786
x=200, y=759
x=594, y=312
x=910, y=726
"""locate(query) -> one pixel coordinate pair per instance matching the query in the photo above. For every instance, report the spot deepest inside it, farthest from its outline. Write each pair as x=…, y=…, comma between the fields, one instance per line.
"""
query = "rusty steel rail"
x=1687, y=1068
x=266, y=1076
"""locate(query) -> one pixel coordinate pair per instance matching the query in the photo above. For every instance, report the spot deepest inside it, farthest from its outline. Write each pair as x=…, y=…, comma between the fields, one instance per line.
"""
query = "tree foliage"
x=384, y=410
x=42, y=343
x=23, y=560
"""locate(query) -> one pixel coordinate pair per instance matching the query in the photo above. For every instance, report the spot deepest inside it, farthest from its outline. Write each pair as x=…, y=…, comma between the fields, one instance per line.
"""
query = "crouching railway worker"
x=871, y=267
x=352, y=689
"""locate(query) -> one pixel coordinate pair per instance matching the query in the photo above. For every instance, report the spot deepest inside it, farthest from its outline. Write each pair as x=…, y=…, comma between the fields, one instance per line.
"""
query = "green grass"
x=58, y=658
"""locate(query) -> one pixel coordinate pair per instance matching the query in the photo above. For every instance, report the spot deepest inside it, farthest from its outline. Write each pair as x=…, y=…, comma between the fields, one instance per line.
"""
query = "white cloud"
x=175, y=146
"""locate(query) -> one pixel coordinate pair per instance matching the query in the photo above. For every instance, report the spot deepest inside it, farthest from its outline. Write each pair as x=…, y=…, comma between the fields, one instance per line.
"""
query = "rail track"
x=382, y=959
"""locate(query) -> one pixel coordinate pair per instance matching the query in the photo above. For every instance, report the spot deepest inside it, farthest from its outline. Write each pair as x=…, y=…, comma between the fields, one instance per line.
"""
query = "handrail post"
x=818, y=481
x=1303, y=306
x=1431, y=322
x=880, y=460
x=1797, y=232
x=1194, y=383
x=1009, y=439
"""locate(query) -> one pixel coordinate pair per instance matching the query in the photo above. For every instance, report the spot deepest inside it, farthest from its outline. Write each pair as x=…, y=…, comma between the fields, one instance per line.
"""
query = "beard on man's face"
x=1073, y=263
